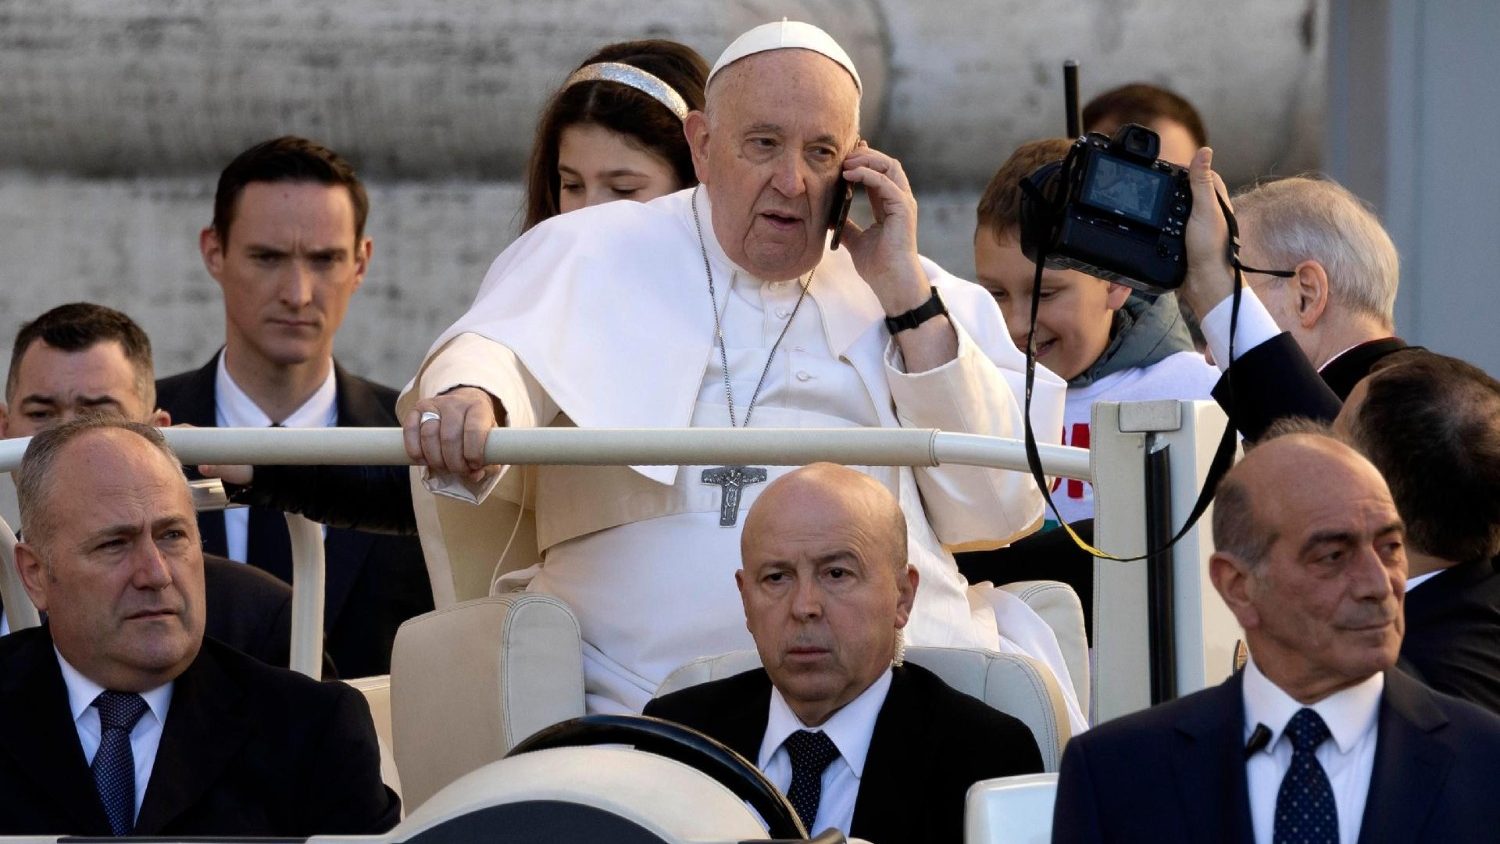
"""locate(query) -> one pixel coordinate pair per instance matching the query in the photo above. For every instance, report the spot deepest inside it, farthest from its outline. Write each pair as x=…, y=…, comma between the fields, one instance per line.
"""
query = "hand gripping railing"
x=571, y=446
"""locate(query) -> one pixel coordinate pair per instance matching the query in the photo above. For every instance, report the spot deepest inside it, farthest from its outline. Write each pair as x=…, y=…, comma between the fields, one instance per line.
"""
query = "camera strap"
x=1223, y=455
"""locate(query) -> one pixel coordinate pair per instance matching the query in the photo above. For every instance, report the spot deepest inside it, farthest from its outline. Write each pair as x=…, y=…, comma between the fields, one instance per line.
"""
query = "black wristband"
x=918, y=315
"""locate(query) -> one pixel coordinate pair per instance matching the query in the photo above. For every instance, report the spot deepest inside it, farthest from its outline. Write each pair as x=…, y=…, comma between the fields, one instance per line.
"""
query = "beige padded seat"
x=377, y=692
x=1011, y=810
x=471, y=680
x=1014, y=684
x=1058, y=605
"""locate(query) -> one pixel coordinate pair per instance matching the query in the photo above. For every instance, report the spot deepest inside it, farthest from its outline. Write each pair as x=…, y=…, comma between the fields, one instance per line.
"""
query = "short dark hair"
x=77, y=326
x=620, y=109
x=34, y=476
x=1431, y=424
x=1143, y=103
x=286, y=159
x=1000, y=207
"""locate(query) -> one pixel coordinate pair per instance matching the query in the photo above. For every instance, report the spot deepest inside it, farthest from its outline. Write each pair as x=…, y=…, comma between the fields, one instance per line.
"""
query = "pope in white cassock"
x=723, y=305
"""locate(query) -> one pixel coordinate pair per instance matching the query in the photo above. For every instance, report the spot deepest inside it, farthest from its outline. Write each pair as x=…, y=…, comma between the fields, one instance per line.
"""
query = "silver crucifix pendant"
x=732, y=479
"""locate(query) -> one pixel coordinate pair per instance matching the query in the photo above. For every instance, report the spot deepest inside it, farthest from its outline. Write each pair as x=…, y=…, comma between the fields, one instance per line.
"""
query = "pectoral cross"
x=732, y=479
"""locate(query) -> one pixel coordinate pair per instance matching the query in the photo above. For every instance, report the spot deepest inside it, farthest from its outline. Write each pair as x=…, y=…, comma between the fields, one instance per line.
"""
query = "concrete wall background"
x=119, y=113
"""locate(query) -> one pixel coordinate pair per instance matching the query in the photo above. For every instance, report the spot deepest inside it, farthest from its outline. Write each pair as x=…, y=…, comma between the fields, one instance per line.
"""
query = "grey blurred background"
x=116, y=116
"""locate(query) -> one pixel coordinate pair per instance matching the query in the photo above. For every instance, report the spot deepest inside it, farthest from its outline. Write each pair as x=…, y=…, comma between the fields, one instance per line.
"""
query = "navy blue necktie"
x=268, y=546
x=114, y=763
x=811, y=752
x=1305, y=811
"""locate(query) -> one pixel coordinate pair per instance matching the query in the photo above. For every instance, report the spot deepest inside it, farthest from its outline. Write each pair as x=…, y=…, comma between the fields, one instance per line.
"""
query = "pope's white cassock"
x=601, y=318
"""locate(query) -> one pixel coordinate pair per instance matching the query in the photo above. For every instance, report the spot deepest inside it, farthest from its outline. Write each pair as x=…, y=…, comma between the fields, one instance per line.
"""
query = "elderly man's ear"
x=1234, y=582
x=1310, y=287
x=695, y=127
x=33, y=575
x=906, y=589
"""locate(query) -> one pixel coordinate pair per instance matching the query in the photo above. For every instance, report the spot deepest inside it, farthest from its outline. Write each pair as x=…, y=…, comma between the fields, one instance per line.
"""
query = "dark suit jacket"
x=1453, y=633
x=1176, y=772
x=1275, y=380
x=373, y=582
x=930, y=744
x=246, y=750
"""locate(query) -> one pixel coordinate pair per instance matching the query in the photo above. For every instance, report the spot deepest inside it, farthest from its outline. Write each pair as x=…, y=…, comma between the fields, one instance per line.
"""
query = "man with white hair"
x=710, y=307
x=1337, y=307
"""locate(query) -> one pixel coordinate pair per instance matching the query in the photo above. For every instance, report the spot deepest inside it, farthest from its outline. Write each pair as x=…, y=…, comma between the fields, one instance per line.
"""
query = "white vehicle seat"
x=471, y=680
x=1011, y=810
x=377, y=692
x=1058, y=605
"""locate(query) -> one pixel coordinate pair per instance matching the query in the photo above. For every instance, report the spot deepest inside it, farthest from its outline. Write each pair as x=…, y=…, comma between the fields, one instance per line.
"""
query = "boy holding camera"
x=1107, y=344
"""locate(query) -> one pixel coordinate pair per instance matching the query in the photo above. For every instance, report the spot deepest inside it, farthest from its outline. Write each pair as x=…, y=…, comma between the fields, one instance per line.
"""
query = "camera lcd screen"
x=1126, y=188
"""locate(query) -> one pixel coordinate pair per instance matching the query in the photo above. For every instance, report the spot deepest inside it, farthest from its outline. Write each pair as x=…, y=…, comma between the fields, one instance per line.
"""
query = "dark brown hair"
x=1431, y=425
x=1143, y=103
x=77, y=326
x=286, y=159
x=620, y=109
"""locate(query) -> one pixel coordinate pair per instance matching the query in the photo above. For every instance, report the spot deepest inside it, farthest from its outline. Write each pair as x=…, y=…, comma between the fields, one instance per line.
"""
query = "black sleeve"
x=347, y=796
x=1075, y=814
x=376, y=499
x=1273, y=381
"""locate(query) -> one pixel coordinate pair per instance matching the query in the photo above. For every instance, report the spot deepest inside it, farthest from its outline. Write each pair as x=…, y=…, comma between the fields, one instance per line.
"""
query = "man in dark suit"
x=85, y=358
x=1319, y=738
x=1302, y=341
x=288, y=249
x=118, y=717
x=883, y=753
x=1431, y=425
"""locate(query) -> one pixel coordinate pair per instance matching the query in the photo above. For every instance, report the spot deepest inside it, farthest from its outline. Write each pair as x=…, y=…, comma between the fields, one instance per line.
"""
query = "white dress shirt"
x=144, y=738
x=1347, y=757
x=850, y=728
x=235, y=409
x=1256, y=327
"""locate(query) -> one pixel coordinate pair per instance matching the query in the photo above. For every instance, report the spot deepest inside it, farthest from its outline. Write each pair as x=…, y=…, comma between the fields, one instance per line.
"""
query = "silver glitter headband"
x=633, y=77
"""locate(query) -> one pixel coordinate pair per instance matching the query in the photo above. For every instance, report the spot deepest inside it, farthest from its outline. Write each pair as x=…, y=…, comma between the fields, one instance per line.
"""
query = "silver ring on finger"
x=427, y=416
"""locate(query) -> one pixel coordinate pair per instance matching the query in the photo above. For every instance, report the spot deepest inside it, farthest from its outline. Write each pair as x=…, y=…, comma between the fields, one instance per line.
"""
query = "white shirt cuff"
x=1255, y=327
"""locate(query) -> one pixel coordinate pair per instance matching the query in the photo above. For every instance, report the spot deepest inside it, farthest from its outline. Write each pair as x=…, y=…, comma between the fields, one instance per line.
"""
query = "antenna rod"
x=1070, y=97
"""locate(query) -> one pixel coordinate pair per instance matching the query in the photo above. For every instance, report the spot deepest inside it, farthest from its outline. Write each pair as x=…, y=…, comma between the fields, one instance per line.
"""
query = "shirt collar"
x=235, y=408
x=850, y=727
x=82, y=692
x=1349, y=713
x=1414, y=582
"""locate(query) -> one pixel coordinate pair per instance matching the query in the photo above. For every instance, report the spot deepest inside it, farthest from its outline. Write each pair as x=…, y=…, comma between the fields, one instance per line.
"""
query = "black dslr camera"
x=1110, y=209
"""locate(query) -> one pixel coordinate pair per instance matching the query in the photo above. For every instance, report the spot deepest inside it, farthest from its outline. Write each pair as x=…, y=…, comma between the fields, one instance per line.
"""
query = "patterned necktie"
x=268, y=546
x=114, y=763
x=1305, y=811
x=811, y=753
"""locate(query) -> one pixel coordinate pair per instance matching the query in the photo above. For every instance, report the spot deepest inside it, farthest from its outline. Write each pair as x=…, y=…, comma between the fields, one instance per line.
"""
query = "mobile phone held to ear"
x=843, y=197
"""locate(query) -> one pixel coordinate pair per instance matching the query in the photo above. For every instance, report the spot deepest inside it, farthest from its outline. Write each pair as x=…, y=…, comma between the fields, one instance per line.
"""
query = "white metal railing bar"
x=617, y=447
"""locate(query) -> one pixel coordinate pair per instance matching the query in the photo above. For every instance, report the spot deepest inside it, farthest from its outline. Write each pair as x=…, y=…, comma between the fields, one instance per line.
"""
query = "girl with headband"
x=614, y=129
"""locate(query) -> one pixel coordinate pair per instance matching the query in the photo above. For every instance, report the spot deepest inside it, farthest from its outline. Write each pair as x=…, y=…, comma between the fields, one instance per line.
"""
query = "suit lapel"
x=742, y=717
x=899, y=732
x=41, y=738
x=1206, y=737
x=206, y=726
x=1410, y=768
